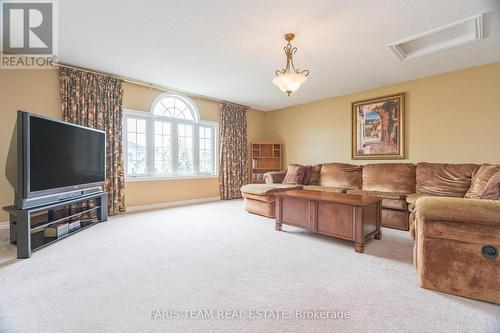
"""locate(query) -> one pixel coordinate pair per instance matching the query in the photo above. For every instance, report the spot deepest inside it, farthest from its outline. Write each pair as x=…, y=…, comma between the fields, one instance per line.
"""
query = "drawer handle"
x=489, y=251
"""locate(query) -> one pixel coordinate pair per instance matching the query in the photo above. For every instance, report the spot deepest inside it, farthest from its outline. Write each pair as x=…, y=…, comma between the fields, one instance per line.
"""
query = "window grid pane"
x=206, y=154
x=163, y=147
x=185, y=149
x=136, y=146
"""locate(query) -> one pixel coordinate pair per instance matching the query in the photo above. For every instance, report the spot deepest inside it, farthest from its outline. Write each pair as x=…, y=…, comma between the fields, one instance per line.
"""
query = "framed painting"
x=378, y=128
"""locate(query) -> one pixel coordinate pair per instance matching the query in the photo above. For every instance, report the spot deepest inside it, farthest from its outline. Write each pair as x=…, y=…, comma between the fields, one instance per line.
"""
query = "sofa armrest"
x=459, y=210
x=274, y=177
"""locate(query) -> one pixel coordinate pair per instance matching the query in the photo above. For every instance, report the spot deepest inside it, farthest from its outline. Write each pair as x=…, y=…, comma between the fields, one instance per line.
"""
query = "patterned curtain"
x=95, y=101
x=233, y=171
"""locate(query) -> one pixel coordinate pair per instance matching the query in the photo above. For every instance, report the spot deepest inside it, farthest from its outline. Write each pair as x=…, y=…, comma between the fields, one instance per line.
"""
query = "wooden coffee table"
x=348, y=216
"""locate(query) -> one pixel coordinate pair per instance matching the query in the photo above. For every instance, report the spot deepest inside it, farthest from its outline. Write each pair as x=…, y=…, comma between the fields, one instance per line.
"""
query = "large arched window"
x=169, y=141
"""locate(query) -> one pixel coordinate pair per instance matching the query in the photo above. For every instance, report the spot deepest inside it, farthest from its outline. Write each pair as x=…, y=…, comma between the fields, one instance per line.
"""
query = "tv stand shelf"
x=42, y=221
x=27, y=226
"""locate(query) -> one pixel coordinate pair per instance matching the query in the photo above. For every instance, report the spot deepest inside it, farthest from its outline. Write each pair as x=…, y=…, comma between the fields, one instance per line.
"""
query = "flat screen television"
x=57, y=160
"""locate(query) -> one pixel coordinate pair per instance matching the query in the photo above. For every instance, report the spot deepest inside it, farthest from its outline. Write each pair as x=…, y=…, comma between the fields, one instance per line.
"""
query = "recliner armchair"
x=456, y=247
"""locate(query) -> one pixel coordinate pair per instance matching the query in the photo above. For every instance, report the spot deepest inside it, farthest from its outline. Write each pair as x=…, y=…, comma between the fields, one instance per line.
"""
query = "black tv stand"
x=27, y=226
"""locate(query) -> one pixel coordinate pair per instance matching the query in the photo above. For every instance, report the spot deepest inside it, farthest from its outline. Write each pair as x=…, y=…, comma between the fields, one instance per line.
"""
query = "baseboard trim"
x=134, y=209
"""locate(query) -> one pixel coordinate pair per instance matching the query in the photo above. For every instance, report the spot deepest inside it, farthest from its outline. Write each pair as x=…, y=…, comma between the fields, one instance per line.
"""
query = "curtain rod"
x=147, y=84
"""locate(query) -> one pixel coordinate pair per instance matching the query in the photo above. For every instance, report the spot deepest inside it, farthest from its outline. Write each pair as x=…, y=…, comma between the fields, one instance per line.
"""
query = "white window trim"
x=197, y=123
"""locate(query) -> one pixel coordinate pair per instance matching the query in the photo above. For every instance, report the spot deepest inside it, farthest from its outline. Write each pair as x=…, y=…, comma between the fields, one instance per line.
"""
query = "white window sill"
x=156, y=178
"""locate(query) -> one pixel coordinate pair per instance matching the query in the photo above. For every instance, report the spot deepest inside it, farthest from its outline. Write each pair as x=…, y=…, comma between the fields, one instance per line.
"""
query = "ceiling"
x=229, y=49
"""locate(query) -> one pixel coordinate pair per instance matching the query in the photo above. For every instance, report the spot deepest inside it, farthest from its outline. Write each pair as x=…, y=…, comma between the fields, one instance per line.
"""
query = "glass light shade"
x=289, y=82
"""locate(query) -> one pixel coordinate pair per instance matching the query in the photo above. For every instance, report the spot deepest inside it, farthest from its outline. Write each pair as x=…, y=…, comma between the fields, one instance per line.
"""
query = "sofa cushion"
x=341, y=175
x=390, y=200
x=492, y=189
x=480, y=178
x=295, y=174
x=313, y=176
x=324, y=188
x=266, y=189
x=390, y=177
x=450, y=180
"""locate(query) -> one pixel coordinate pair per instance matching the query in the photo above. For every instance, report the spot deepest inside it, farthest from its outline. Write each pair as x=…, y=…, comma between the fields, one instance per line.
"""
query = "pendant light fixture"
x=290, y=79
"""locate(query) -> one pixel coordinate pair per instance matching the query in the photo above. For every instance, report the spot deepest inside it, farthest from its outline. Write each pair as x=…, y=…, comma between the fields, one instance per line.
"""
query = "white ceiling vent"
x=451, y=35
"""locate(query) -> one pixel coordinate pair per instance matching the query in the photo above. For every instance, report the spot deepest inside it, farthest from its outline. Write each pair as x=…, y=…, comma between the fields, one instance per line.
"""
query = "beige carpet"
x=215, y=256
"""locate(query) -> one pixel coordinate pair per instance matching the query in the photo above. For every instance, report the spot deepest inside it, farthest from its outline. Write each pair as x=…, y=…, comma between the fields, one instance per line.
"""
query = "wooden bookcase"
x=265, y=157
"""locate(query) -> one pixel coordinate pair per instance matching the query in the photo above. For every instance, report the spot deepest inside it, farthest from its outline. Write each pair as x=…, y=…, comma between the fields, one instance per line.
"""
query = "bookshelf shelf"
x=266, y=157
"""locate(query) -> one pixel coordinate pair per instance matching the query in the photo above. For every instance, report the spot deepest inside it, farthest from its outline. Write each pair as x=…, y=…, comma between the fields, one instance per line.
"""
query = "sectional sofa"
x=457, y=235
x=398, y=184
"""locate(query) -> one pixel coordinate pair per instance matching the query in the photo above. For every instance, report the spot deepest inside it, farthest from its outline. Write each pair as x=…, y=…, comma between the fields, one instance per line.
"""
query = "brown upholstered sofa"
x=457, y=235
x=399, y=185
x=393, y=182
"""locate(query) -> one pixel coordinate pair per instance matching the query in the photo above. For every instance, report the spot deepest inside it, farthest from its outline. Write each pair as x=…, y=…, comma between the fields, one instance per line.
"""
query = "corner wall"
x=452, y=117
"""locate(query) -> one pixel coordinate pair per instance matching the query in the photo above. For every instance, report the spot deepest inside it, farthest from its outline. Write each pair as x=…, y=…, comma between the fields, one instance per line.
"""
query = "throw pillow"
x=480, y=178
x=492, y=189
x=307, y=174
x=313, y=176
x=295, y=174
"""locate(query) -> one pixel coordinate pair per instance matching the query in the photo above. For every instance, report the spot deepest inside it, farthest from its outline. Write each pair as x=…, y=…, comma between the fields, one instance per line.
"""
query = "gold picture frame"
x=378, y=128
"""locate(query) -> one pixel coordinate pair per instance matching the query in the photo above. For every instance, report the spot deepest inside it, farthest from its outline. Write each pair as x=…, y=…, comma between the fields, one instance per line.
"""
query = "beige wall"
x=29, y=90
x=454, y=117
x=37, y=91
